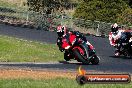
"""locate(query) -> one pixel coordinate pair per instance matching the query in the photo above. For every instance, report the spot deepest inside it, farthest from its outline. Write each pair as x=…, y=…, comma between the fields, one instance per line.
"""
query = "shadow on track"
x=121, y=57
x=76, y=63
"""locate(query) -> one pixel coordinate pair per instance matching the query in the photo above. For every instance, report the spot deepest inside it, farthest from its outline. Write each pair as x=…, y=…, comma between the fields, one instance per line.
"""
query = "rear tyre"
x=125, y=54
x=80, y=57
x=79, y=60
x=95, y=60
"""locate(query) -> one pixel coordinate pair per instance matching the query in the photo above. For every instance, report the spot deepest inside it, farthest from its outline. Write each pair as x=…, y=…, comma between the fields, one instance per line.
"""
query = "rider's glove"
x=78, y=34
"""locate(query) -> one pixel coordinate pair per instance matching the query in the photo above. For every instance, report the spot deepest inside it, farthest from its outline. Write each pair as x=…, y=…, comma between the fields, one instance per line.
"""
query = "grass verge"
x=54, y=83
x=12, y=3
x=16, y=50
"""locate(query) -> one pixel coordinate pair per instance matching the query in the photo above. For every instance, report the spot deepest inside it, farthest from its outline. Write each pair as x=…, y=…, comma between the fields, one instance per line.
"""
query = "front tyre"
x=80, y=57
x=66, y=57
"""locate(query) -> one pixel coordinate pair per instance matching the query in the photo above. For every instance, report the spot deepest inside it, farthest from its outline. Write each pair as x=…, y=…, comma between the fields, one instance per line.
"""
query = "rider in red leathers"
x=63, y=32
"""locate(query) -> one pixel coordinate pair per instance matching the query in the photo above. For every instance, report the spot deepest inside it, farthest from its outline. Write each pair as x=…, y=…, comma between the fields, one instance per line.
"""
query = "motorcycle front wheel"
x=66, y=56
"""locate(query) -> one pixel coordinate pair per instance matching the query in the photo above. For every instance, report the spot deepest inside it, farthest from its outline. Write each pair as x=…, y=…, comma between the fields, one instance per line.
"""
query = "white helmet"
x=61, y=30
x=114, y=27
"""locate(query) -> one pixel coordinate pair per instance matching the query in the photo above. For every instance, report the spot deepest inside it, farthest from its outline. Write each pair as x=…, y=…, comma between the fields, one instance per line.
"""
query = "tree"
x=129, y=2
x=39, y=5
x=101, y=10
x=125, y=17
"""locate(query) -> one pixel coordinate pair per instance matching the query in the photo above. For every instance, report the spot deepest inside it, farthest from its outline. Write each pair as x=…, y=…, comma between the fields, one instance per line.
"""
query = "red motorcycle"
x=76, y=48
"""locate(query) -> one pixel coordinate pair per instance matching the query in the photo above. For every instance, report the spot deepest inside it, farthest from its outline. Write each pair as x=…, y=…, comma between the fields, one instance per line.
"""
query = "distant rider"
x=116, y=35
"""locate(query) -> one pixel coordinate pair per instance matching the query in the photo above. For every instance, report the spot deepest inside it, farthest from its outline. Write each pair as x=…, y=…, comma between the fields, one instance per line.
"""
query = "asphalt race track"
x=108, y=62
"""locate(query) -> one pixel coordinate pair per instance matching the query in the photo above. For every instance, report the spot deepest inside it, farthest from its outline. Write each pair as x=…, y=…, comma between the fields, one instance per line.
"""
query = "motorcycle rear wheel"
x=80, y=57
x=95, y=60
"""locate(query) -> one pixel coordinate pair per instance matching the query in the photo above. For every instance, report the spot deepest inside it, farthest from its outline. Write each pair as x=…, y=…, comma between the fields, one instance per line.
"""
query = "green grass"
x=54, y=83
x=15, y=50
x=6, y=4
x=21, y=11
x=16, y=4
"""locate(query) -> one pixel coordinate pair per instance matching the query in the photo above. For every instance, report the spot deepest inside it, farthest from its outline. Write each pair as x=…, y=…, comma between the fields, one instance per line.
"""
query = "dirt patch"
x=16, y=73
x=45, y=74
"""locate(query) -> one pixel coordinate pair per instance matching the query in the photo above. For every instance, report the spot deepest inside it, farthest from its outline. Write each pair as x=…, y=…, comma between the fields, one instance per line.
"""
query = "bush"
x=101, y=10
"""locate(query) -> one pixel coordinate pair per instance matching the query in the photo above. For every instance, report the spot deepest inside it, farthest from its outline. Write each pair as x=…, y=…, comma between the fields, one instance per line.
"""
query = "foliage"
x=101, y=10
x=129, y=2
x=42, y=5
x=125, y=17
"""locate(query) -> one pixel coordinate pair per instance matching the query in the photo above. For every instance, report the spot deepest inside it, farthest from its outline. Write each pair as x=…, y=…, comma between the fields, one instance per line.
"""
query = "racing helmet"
x=61, y=30
x=114, y=28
